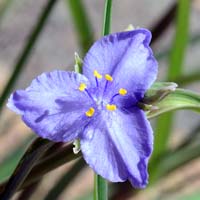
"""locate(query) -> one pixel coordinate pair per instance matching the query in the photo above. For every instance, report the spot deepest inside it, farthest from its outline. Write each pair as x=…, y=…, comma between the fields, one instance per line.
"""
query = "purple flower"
x=98, y=107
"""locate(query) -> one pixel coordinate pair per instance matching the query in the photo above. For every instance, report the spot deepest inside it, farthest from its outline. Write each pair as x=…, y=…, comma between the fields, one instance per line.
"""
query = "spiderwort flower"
x=99, y=107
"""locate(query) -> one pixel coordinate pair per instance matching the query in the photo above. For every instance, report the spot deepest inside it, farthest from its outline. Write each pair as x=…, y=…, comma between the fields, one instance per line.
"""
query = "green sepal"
x=158, y=91
x=174, y=99
x=78, y=63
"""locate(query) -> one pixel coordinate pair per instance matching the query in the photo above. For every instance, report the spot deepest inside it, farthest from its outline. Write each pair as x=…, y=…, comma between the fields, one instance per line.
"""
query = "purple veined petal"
x=127, y=57
x=118, y=145
x=53, y=106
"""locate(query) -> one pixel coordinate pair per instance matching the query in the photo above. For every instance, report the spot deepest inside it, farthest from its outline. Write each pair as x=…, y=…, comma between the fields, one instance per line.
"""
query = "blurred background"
x=54, y=49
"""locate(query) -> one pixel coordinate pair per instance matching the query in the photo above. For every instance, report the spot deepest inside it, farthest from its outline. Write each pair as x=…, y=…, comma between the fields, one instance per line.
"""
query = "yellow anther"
x=111, y=107
x=82, y=87
x=122, y=91
x=96, y=74
x=108, y=77
x=90, y=112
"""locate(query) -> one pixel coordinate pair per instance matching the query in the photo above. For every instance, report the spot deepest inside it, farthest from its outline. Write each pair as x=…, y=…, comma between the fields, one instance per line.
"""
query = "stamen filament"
x=114, y=97
x=121, y=92
x=89, y=94
x=108, y=78
x=97, y=83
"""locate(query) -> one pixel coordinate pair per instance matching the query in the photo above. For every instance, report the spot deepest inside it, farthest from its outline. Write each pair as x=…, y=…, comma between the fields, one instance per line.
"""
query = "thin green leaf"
x=8, y=165
x=82, y=24
x=175, y=159
x=55, y=159
x=31, y=156
x=26, y=52
x=181, y=39
x=107, y=17
x=164, y=122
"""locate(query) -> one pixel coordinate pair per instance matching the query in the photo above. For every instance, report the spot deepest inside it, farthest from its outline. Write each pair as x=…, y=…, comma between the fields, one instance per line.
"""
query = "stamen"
x=82, y=87
x=90, y=112
x=96, y=74
x=111, y=107
x=122, y=91
x=108, y=77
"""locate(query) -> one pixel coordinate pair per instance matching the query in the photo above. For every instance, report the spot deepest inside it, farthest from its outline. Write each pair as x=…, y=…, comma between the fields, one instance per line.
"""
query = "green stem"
x=100, y=184
x=26, y=52
x=101, y=188
x=107, y=17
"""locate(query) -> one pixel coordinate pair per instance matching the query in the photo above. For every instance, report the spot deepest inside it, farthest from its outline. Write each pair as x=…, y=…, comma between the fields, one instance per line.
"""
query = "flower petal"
x=127, y=57
x=53, y=106
x=118, y=146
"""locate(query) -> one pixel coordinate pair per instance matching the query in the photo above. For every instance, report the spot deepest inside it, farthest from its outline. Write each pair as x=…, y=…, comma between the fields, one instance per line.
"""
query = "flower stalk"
x=101, y=188
x=100, y=184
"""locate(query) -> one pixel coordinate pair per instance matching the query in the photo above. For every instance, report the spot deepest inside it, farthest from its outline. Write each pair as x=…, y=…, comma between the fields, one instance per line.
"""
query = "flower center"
x=99, y=100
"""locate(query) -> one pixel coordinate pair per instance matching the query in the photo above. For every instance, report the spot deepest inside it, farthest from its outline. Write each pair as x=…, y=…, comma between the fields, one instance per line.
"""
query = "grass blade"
x=181, y=40
x=175, y=160
x=51, y=162
x=31, y=156
x=81, y=23
x=8, y=165
x=107, y=17
x=26, y=52
x=164, y=122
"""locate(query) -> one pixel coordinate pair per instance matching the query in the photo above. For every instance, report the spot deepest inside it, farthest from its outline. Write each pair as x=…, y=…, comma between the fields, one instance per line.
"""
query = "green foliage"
x=164, y=123
x=26, y=51
x=81, y=23
x=9, y=164
x=178, y=99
